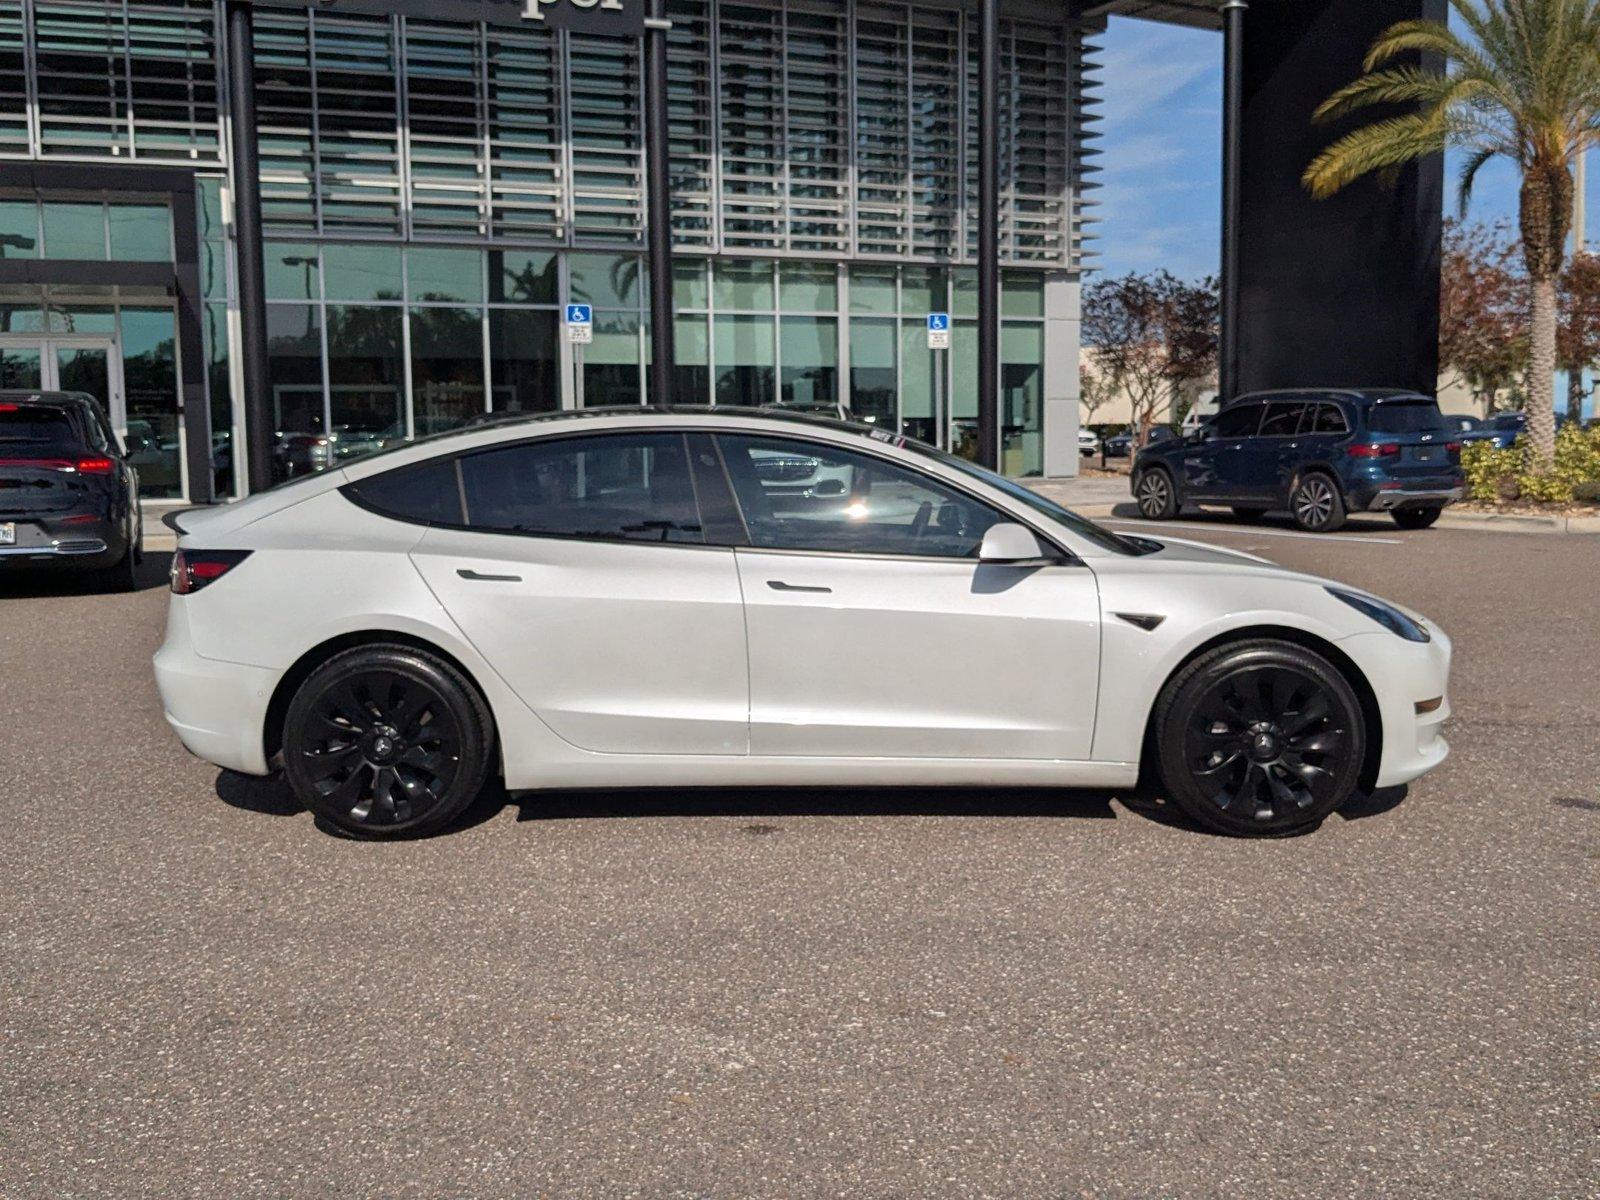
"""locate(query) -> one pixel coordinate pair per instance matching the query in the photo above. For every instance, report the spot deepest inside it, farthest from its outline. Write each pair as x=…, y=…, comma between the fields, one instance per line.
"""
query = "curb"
x=1473, y=522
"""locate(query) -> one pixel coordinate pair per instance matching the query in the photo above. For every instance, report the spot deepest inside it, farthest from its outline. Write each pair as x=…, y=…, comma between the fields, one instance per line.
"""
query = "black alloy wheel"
x=1260, y=738
x=384, y=741
x=1415, y=518
x=1316, y=505
x=1155, y=494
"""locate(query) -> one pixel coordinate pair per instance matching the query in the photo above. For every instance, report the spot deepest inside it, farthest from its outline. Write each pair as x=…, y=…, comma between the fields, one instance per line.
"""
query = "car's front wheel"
x=1415, y=518
x=1156, y=495
x=387, y=741
x=1259, y=738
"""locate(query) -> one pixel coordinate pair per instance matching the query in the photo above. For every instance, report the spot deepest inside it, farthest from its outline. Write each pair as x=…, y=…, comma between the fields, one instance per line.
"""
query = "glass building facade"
x=435, y=191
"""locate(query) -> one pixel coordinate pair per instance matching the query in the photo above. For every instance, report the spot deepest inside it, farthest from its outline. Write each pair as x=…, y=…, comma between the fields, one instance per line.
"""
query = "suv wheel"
x=1155, y=494
x=1415, y=518
x=1316, y=505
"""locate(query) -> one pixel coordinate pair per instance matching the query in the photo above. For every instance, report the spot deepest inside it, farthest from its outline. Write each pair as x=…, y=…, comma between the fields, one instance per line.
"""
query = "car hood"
x=1175, y=550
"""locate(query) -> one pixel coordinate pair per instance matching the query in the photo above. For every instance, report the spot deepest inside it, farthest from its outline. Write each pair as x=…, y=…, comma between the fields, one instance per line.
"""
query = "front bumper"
x=1403, y=676
x=217, y=709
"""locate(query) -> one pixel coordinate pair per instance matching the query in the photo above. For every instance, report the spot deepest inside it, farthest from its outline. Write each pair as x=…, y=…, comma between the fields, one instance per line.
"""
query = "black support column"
x=1339, y=292
x=658, y=202
x=258, y=416
x=1232, y=131
x=989, y=233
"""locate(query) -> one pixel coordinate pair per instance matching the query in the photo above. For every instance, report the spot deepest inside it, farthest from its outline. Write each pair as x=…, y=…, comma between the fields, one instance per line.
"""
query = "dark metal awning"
x=1201, y=14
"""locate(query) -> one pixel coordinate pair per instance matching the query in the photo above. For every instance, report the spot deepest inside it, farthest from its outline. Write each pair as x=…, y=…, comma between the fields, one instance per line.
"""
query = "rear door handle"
x=779, y=585
x=477, y=577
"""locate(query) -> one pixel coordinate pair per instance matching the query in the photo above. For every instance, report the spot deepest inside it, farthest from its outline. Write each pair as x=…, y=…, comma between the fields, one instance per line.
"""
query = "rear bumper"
x=217, y=709
x=1389, y=499
x=57, y=541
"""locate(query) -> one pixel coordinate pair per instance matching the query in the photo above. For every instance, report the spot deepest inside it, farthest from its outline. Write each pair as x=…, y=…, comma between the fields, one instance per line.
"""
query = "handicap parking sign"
x=938, y=331
x=580, y=324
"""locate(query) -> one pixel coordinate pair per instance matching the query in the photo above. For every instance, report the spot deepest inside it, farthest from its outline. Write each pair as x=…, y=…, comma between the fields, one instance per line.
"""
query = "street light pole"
x=658, y=202
x=1232, y=165
x=258, y=418
x=989, y=234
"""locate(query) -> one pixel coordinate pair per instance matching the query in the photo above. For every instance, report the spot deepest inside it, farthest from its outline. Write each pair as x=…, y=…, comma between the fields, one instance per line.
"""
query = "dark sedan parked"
x=68, y=497
x=1121, y=445
x=1318, y=454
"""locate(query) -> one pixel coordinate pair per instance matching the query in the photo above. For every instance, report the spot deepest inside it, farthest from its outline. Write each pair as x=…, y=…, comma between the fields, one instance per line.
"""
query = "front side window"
x=1238, y=422
x=621, y=486
x=800, y=495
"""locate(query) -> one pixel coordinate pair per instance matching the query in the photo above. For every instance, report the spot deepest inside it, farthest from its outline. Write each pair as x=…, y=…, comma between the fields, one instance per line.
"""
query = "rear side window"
x=1406, y=416
x=426, y=493
x=1238, y=422
x=620, y=486
x=1283, y=418
x=29, y=423
x=1328, y=419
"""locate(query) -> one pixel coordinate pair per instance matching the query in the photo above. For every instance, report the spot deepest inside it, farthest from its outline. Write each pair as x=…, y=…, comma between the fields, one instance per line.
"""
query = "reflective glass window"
x=611, y=361
x=743, y=285
x=74, y=230
x=19, y=229
x=809, y=350
x=872, y=290
x=691, y=361
x=744, y=360
x=872, y=371
x=523, y=360
x=604, y=280
x=291, y=271
x=150, y=387
x=366, y=379
x=1021, y=398
x=141, y=232
x=444, y=274
x=447, y=386
x=918, y=417
x=369, y=271
x=294, y=378
x=522, y=276
x=808, y=287
x=1021, y=294
x=689, y=286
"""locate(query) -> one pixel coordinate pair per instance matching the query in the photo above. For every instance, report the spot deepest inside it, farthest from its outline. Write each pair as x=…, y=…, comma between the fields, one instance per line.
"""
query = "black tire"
x=1316, y=503
x=1415, y=518
x=1259, y=738
x=122, y=575
x=1249, y=514
x=1156, y=494
x=386, y=742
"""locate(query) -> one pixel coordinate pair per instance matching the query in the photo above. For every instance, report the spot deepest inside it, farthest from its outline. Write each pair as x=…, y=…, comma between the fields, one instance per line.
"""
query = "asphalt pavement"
x=813, y=993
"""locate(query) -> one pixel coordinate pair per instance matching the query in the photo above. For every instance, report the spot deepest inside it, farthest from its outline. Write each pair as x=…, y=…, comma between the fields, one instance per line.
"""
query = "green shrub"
x=1495, y=476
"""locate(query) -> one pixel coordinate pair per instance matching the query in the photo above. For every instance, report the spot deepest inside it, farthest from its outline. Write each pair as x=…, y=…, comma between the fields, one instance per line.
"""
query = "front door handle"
x=477, y=577
x=779, y=585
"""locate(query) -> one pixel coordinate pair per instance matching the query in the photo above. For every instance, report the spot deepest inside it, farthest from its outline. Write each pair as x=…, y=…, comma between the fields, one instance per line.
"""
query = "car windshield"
x=1405, y=416
x=1084, y=528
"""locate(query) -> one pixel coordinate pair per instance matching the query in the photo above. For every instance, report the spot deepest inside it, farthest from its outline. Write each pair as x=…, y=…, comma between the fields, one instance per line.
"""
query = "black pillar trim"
x=1233, y=14
x=989, y=233
x=258, y=420
x=658, y=203
x=179, y=279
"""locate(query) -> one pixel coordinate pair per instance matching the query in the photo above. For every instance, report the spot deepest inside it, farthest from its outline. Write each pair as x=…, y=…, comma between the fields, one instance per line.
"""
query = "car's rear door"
x=583, y=573
x=875, y=632
x=1271, y=456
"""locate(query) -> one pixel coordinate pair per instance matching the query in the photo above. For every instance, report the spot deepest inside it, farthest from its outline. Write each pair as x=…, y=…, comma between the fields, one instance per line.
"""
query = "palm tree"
x=1521, y=80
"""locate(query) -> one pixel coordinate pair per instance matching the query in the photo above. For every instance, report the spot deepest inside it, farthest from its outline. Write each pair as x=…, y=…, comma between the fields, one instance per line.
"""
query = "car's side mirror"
x=1010, y=543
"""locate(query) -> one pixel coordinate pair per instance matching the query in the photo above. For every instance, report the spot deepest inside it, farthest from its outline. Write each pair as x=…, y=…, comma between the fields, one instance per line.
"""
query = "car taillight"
x=1453, y=447
x=194, y=569
x=1381, y=450
x=94, y=464
x=97, y=464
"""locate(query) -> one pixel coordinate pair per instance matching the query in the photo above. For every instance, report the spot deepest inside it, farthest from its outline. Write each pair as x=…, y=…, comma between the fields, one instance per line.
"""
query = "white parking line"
x=1152, y=528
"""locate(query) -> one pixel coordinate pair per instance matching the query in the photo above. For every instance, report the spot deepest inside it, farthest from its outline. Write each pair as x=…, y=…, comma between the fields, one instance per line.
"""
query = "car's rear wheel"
x=1259, y=738
x=1415, y=518
x=123, y=575
x=1156, y=495
x=387, y=741
x=1316, y=505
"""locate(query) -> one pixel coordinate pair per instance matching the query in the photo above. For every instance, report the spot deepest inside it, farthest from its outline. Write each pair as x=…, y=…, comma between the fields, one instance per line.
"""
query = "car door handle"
x=779, y=585
x=478, y=577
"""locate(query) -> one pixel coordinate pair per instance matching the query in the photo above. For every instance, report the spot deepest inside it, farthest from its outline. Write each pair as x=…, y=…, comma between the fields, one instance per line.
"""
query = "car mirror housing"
x=1010, y=543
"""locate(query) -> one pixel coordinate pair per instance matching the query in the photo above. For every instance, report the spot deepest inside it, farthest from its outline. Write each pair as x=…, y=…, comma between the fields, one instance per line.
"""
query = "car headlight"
x=1387, y=615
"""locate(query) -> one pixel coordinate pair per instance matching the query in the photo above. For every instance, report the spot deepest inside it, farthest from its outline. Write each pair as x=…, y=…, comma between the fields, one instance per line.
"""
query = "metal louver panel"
x=15, y=137
x=882, y=132
x=523, y=99
x=358, y=139
x=605, y=141
x=691, y=98
x=817, y=128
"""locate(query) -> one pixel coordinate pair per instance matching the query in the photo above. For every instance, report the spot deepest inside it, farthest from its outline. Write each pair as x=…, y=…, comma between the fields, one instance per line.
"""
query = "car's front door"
x=875, y=632
x=584, y=576
x=1269, y=458
x=1215, y=468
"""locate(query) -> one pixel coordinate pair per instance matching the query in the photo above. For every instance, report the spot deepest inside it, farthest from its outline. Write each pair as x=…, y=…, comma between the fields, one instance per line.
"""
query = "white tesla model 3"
x=731, y=597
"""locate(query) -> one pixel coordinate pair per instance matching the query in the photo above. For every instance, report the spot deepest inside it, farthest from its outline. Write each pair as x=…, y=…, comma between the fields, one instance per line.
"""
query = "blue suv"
x=1320, y=454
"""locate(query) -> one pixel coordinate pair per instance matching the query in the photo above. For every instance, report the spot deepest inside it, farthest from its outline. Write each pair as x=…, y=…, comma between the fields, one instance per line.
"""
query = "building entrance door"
x=66, y=363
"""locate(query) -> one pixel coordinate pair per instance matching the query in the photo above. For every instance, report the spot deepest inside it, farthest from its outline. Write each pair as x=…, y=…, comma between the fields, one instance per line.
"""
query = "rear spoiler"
x=174, y=519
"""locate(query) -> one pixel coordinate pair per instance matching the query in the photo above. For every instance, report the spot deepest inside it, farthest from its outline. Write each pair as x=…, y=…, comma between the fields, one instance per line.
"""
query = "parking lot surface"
x=814, y=993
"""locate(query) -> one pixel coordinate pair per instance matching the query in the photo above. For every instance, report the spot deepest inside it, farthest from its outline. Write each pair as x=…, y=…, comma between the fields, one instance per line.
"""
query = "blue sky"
x=1160, y=195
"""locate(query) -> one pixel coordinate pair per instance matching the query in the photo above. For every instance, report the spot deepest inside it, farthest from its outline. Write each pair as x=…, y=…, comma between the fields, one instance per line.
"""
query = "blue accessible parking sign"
x=580, y=324
x=938, y=331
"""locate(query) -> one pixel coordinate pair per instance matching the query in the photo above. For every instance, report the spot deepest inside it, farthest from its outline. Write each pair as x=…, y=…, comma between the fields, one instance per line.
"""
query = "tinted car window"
x=25, y=423
x=427, y=493
x=1405, y=416
x=1282, y=419
x=1328, y=419
x=630, y=486
x=811, y=496
x=1238, y=422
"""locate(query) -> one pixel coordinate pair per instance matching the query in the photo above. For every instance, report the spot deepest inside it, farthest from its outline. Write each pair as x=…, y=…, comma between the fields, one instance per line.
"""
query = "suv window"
x=798, y=495
x=1329, y=418
x=628, y=486
x=1238, y=422
x=1283, y=418
x=1405, y=416
x=37, y=423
